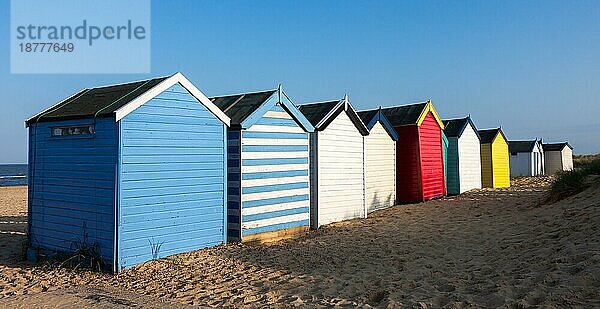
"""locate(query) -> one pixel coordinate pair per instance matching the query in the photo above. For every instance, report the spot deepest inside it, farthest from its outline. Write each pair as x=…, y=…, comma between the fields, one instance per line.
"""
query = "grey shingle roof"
x=371, y=117
x=325, y=112
x=487, y=135
x=315, y=112
x=521, y=146
x=555, y=146
x=366, y=116
x=455, y=127
x=404, y=115
x=102, y=101
x=239, y=106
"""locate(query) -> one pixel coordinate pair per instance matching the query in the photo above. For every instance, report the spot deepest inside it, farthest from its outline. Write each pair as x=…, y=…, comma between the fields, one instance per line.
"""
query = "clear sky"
x=532, y=67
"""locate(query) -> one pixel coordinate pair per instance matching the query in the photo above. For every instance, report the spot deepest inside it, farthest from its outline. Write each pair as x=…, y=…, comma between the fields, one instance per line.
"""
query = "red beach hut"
x=419, y=152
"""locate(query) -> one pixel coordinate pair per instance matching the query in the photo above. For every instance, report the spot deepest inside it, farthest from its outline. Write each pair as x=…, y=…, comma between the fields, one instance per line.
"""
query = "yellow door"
x=500, y=162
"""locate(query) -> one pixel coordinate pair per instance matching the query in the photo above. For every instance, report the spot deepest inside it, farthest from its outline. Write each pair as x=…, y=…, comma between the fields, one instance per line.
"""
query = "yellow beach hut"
x=495, y=166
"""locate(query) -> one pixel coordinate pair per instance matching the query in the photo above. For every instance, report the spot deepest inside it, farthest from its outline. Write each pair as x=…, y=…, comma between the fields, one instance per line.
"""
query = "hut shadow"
x=360, y=259
x=382, y=203
x=347, y=260
x=13, y=236
x=353, y=259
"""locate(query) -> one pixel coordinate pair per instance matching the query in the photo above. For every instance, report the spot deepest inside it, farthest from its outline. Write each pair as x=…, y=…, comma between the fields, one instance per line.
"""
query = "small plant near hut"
x=155, y=247
x=84, y=256
x=586, y=173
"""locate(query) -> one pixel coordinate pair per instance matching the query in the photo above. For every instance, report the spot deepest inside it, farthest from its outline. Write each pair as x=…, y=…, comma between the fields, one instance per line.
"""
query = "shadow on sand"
x=12, y=239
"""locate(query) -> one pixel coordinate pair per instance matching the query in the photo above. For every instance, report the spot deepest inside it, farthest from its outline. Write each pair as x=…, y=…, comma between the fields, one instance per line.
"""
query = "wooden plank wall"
x=340, y=172
x=72, y=187
x=469, y=160
x=380, y=169
x=275, y=175
x=172, y=178
x=453, y=159
x=432, y=160
x=500, y=163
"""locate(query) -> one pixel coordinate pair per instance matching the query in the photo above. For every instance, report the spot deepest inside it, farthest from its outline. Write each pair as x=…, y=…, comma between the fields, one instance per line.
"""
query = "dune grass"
x=583, y=160
x=580, y=178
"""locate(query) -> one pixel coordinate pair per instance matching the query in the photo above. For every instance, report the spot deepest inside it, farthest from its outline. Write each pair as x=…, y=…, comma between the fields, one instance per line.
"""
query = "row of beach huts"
x=148, y=169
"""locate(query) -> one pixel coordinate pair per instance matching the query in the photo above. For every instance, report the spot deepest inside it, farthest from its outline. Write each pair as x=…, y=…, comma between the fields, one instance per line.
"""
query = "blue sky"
x=532, y=67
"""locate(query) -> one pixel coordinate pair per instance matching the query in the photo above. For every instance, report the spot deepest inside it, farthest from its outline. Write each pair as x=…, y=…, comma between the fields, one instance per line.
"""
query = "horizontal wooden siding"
x=340, y=172
x=274, y=171
x=380, y=169
x=469, y=160
x=432, y=158
x=486, y=166
x=172, y=178
x=408, y=165
x=453, y=182
x=72, y=188
x=500, y=162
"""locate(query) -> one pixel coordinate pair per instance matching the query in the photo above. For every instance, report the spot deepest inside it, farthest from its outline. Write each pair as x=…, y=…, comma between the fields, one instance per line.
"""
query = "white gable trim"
x=164, y=85
x=330, y=114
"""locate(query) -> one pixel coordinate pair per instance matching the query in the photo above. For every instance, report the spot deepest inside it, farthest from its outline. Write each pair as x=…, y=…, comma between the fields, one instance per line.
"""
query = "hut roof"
x=521, y=146
x=99, y=101
x=488, y=135
x=315, y=112
x=367, y=116
x=404, y=115
x=238, y=107
x=245, y=109
x=322, y=114
x=556, y=146
x=370, y=117
x=120, y=100
x=412, y=114
x=456, y=127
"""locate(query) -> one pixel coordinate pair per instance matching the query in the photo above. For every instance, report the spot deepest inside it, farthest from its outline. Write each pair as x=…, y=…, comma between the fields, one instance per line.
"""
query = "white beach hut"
x=526, y=158
x=336, y=162
x=380, y=160
x=558, y=157
x=464, y=158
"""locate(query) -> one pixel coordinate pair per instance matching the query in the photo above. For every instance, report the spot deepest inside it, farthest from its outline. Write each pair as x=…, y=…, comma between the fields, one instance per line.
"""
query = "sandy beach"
x=486, y=248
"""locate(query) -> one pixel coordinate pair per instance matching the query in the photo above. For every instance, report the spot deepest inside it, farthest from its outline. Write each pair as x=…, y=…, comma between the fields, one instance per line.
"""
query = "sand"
x=486, y=248
x=13, y=223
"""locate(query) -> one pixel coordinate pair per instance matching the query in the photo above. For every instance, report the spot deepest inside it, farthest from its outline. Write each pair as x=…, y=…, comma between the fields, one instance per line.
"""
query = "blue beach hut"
x=132, y=172
x=268, y=159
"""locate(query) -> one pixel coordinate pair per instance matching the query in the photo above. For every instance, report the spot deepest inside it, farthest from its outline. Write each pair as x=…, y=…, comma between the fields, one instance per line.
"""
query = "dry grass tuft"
x=585, y=174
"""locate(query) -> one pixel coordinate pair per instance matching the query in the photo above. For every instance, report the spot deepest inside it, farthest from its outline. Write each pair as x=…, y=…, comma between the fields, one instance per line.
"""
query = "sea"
x=13, y=175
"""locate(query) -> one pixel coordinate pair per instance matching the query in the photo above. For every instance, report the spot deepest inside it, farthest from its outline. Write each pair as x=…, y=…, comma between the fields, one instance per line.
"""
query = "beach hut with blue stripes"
x=128, y=173
x=337, y=162
x=268, y=159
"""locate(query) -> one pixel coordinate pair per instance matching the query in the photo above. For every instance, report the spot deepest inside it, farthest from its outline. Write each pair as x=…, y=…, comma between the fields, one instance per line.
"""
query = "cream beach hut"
x=380, y=160
x=558, y=157
x=336, y=162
